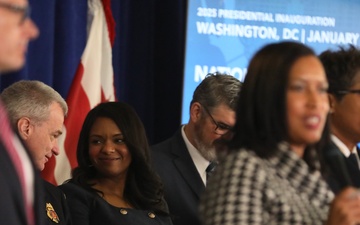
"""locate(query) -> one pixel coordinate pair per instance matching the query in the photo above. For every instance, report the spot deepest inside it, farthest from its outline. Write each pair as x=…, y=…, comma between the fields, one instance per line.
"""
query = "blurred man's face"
x=345, y=115
x=16, y=30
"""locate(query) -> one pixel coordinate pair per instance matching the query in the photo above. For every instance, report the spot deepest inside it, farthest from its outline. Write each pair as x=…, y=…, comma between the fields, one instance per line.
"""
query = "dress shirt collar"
x=343, y=148
x=200, y=162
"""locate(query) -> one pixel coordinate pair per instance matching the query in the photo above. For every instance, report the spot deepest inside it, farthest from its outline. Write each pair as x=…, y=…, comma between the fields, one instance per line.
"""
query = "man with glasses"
x=342, y=69
x=184, y=160
x=20, y=184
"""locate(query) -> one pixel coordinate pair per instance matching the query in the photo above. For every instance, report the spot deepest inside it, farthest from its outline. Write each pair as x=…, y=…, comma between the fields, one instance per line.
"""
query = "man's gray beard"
x=208, y=152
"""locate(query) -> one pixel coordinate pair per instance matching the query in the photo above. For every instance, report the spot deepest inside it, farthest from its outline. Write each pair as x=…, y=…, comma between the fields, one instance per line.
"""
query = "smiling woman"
x=114, y=183
x=108, y=151
x=306, y=103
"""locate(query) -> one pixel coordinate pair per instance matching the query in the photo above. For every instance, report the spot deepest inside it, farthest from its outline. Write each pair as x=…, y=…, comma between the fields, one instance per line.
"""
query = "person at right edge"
x=272, y=173
x=182, y=161
x=342, y=69
x=20, y=183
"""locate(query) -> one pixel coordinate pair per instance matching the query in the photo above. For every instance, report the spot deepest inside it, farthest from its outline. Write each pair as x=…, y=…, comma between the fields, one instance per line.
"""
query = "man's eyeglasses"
x=220, y=128
x=344, y=92
x=24, y=10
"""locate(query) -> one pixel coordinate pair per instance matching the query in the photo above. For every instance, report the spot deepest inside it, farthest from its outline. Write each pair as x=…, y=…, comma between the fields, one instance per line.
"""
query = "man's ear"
x=24, y=127
x=332, y=103
x=195, y=112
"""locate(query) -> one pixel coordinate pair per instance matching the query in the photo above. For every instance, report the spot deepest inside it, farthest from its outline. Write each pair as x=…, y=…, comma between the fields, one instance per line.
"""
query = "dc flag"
x=93, y=83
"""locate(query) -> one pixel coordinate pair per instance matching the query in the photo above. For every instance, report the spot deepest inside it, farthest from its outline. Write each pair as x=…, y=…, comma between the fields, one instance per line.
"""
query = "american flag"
x=93, y=83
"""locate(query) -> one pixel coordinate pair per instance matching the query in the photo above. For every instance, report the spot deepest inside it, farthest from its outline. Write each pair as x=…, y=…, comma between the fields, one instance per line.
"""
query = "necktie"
x=353, y=159
x=210, y=169
x=8, y=138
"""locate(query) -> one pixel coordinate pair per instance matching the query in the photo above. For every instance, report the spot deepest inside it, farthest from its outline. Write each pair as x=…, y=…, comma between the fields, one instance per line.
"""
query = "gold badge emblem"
x=50, y=212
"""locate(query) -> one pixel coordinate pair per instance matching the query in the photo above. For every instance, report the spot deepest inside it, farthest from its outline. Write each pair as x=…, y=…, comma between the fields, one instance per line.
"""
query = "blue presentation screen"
x=222, y=35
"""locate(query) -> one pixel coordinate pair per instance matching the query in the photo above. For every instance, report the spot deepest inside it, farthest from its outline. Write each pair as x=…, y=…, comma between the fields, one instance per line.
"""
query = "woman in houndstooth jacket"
x=272, y=175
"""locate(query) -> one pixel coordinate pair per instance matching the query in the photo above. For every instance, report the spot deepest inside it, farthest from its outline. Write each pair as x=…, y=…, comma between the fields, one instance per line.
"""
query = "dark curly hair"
x=143, y=188
x=341, y=66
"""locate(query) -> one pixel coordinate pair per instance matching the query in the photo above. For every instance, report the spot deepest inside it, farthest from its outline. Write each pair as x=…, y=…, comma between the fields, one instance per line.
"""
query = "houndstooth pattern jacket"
x=249, y=190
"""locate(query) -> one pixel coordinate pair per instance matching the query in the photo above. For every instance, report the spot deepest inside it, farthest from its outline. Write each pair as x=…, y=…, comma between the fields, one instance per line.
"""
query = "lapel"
x=185, y=165
x=352, y=168
x=11, y=185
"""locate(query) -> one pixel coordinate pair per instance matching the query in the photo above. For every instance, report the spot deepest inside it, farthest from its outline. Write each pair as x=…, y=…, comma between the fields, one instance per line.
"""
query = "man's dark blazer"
x=335, y=178
x=11, y=202
x=57, y=199
x=182, y=182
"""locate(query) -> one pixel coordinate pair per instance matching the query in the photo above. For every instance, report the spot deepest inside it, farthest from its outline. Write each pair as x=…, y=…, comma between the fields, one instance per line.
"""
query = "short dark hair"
x=341, y=66
x=261, y=115
x=143, y=188
x=217, y=88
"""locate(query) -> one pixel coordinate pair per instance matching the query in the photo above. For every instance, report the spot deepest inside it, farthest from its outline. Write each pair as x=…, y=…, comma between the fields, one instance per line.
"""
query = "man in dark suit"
x=182, y=161
x=20, y=185
x=342, y=69
x=37, y=111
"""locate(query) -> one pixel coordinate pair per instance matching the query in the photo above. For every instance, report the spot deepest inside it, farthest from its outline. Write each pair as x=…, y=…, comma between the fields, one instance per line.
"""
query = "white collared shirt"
x=200, y=162
x=344, y=149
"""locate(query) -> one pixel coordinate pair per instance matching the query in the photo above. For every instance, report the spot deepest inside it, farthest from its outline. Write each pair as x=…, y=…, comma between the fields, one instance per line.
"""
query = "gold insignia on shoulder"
x=50, y=212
